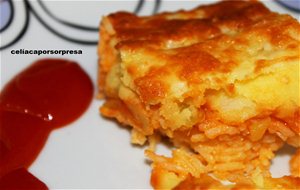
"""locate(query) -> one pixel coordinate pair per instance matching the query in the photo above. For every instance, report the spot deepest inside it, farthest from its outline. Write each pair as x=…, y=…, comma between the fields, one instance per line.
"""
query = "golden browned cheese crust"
x=221, y=80
x=170, y=30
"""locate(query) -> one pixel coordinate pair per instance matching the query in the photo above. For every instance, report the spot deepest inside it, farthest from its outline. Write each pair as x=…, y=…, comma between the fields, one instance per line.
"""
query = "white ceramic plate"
x=92, y=152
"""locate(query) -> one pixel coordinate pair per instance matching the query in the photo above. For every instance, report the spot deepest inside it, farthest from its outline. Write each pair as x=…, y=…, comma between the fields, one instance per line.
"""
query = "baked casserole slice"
x=221, y=82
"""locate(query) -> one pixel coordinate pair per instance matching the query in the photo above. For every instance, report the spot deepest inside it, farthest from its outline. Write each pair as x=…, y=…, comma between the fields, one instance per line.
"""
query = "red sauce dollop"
x=47, y=95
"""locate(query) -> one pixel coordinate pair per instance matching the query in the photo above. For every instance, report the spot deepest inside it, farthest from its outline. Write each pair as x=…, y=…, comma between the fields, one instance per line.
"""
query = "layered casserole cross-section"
x=221, y=82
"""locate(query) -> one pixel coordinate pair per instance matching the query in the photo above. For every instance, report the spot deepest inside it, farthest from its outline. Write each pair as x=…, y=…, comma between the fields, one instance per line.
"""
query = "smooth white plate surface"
x=91, y=153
